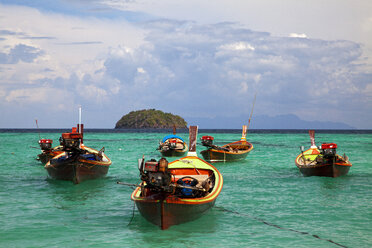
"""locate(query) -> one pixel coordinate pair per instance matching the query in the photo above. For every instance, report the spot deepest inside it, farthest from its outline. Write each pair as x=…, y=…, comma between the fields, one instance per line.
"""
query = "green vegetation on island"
x=150, y=118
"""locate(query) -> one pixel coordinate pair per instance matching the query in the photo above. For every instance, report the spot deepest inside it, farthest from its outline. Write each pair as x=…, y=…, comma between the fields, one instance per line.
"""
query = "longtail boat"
x=78, y=162
x=322, y=161
x=47, y=152
x=178, y=192
x=173, y=145
x=230, y=152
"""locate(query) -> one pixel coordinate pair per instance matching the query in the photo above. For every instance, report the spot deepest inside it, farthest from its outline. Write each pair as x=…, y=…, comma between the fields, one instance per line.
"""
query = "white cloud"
x=238, y=46
x=34, y=96
x=141, y=70
x=295, y=35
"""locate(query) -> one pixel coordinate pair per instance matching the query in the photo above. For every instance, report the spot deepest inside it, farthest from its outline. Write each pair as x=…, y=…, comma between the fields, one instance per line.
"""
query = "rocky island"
x=151, y=118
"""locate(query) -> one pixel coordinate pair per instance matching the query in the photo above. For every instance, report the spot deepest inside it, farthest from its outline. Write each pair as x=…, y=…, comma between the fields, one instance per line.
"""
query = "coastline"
x=153, y=130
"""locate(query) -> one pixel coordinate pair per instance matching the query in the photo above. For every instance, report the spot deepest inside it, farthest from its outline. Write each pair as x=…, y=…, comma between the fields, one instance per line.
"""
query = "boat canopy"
x=172, y=136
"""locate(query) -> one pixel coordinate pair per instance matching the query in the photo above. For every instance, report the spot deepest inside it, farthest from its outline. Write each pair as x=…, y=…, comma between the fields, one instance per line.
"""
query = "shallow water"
x=265, y=201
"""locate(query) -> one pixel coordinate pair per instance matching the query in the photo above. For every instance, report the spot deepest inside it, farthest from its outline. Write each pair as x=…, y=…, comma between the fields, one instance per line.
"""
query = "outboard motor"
x=156, y=174
x=328, y=150
x=70, y=141
x=45, y=144
x=173, y=143
x=207, y=140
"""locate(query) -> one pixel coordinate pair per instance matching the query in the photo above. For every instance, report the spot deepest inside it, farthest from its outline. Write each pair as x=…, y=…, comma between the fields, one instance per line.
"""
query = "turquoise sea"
x=265, y=201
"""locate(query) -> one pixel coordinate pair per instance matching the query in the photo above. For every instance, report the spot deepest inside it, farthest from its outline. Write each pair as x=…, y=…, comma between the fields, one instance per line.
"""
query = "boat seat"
x=89, y=156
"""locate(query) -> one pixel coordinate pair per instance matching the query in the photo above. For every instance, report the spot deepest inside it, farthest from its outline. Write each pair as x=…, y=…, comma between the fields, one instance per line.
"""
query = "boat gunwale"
x=82, y=160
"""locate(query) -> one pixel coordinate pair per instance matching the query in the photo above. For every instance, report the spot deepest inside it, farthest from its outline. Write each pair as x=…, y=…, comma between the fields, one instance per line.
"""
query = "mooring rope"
x=279, y=227
x=131, y=219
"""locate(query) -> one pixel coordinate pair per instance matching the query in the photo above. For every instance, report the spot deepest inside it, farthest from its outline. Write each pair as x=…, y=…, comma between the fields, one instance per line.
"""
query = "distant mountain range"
x=289, y=121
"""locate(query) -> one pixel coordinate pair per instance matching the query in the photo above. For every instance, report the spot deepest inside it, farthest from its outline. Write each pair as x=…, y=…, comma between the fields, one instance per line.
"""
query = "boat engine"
x=45, y=144
x=328, y=150
x=207, y=140
x=173, y=143
x=156, y=174
x=70, y=141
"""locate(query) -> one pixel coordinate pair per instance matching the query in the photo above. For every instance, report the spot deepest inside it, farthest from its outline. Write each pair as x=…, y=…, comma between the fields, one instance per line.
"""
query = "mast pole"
x=254, y=101
x=79, y=119
x=37, y=125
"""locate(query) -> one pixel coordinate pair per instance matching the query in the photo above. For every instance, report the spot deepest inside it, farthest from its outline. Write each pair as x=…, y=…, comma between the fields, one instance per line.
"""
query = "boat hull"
x=179, y=149
x=173, y=153
x=76, y=169
x=214, y=155
x=165, y=214
x=311, y=167
x=325, y=170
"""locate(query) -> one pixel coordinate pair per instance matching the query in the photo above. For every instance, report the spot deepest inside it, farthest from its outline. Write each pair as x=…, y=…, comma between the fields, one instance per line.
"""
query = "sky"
x=194, y=58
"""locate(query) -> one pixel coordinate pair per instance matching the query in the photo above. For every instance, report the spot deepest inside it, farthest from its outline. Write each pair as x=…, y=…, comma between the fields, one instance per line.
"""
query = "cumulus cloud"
x=238, y=46
x=214, y=65
x=20, y=52
x=295, y=35
x=184, y=67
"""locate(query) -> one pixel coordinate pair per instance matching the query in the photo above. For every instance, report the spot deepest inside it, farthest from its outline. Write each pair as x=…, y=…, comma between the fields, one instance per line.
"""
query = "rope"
x=279, y=227
x=186, y=161
x=131, y=219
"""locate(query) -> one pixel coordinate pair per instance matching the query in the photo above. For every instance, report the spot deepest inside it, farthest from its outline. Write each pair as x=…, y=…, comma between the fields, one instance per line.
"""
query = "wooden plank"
x=244, y=133
x=312, y=138
x=193, y=133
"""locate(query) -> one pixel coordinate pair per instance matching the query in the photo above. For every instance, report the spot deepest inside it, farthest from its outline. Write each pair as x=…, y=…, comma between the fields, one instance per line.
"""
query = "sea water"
x=265, y=201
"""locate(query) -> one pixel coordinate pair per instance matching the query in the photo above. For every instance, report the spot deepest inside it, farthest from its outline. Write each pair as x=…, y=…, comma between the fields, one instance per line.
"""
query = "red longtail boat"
x=322, y=161
x=178, y=192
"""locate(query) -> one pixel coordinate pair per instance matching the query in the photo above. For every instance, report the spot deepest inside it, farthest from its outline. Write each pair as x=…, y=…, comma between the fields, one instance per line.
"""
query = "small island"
x=150, y=118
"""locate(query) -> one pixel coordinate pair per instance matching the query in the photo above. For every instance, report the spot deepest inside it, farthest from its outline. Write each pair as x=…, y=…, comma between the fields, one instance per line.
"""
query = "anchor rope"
x=131, y=219
x=279, y=227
